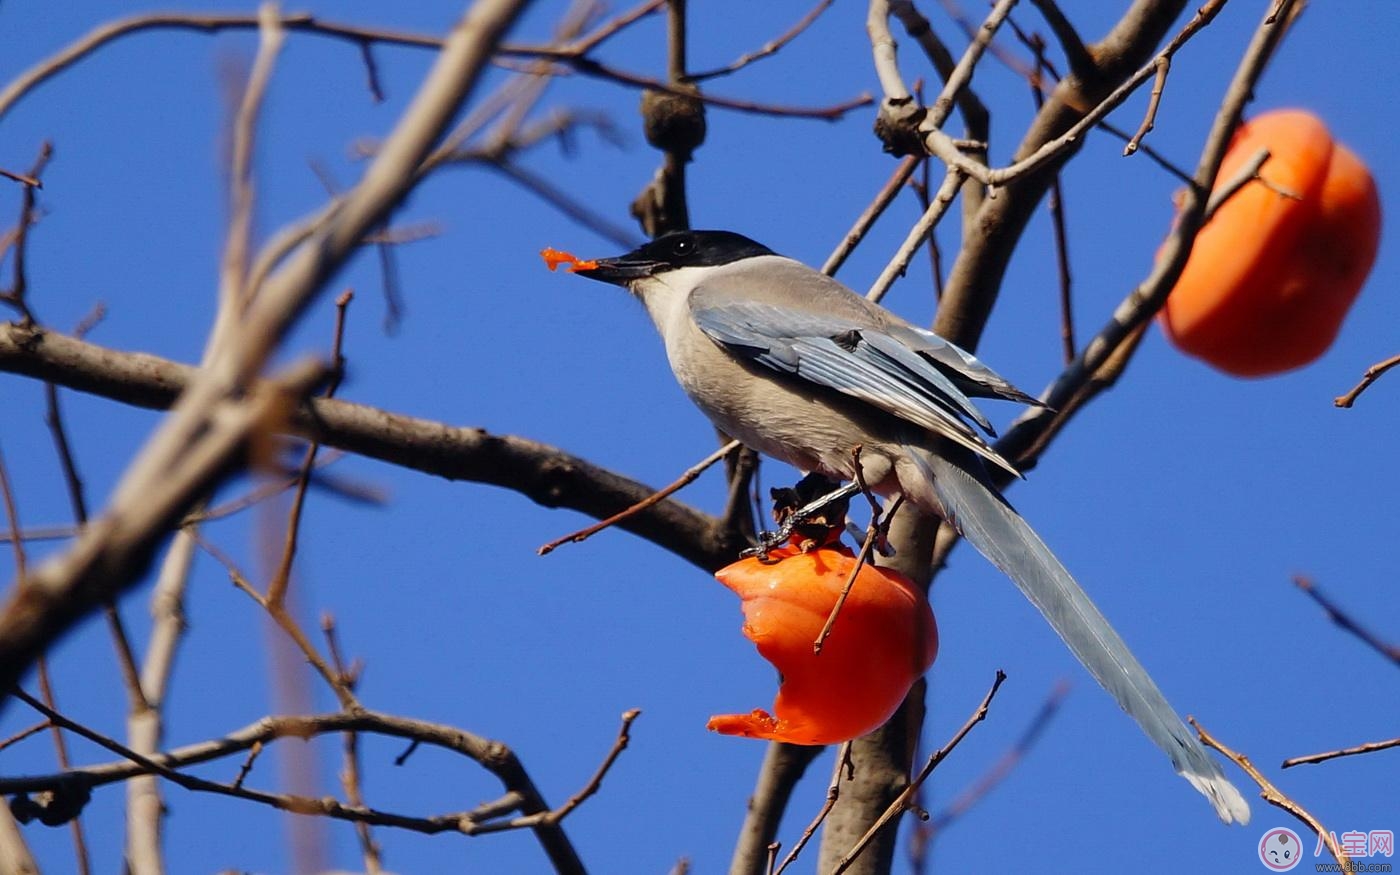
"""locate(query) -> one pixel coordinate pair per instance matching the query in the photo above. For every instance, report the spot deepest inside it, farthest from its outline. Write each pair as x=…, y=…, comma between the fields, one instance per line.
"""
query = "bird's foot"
x=817, y=521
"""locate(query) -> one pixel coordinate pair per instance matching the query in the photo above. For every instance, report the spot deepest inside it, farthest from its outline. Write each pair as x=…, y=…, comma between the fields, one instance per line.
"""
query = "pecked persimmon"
x=1273, y=273
x=883, y=640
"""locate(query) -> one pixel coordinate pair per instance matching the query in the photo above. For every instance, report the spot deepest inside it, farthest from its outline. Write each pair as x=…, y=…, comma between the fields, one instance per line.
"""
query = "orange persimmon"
x=883, y=640
x=1271, y=276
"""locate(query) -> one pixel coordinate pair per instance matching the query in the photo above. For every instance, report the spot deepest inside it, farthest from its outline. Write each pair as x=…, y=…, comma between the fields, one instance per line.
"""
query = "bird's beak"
x=619, y=271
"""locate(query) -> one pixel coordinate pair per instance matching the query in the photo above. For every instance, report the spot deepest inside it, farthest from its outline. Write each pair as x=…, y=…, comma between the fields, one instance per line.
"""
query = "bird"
x=799, y=367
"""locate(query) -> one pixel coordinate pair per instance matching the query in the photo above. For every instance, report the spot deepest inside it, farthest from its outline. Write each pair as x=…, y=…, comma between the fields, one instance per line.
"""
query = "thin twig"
x=1225, y=189
x=622, y=21
x=1344, y=619
x=566, y=204
x=28, y=216
x=862, y=557
x=1004, y=766
x=833, y=793
x=60, y=746
x=277, y=589
x=275, y=599
x=21, y=178
x=906, y=795
x=126, y=659
x=350, y=780
x=1369, y=747
x=1056, y=205
x=768, y=48
x=830, y=113
x=42, y=533
x=494, y=756
x=353, y=491
x=1036, y=44
x=679, y=483
x=952, y=181
x=246, y=767
x=557, y=815
x=7, y=495
x=1271, y=794
x=1149, y=119
x=879, y=526
x=922, y=190
x=1373, y=373
x=357, y=36
x=23, y=734
x=883, y=198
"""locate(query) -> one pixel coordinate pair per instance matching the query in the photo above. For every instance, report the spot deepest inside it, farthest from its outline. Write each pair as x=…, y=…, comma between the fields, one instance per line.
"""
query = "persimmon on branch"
x=1124, y=61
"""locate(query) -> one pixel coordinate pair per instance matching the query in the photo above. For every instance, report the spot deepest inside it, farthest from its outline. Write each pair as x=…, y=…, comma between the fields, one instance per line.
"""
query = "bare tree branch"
x=574, y=56
x=769, y=48
x=545, y=474
x=145, y=809
x=491, y=755
x=783, y=766
x=902, y=801
x=1081, y=380
x=198, y=442
x=1271, y=794
x=1369, y=747
x=1345, y=621
x=1373, y=373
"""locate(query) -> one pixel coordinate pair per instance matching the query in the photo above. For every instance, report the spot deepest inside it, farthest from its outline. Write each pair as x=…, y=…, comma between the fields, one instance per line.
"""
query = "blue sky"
x=1183, y=500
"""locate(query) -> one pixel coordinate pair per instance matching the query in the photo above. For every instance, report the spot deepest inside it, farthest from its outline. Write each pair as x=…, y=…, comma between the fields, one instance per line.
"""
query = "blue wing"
x=911, y=374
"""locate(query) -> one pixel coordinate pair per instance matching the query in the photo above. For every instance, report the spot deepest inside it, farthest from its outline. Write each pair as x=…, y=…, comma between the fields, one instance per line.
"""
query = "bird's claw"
x=795, y=519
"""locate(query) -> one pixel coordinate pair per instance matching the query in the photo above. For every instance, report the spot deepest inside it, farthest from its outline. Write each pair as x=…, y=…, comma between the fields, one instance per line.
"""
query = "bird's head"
x=675, y=251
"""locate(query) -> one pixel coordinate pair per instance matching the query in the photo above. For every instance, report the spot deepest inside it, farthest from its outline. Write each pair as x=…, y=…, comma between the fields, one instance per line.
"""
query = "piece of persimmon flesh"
x=555, y=257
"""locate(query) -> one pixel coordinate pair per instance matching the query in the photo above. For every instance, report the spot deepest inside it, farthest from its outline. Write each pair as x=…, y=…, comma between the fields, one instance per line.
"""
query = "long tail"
x=972, y=504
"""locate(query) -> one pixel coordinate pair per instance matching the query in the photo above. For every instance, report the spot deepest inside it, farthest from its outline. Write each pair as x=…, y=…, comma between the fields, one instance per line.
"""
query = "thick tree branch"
x=967, y=302
x=977, y=273
x=783, y=766
x=542, y=473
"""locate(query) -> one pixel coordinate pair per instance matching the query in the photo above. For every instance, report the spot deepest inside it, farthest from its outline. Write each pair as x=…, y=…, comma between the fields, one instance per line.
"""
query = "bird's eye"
x=682, y=247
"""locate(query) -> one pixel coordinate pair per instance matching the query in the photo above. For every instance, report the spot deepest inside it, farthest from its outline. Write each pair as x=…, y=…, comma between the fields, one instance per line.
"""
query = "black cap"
x=675, y=250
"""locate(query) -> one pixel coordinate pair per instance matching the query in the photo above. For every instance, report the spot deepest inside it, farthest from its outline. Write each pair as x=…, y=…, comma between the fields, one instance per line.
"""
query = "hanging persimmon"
x=1273, y=273
x=883, y=640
